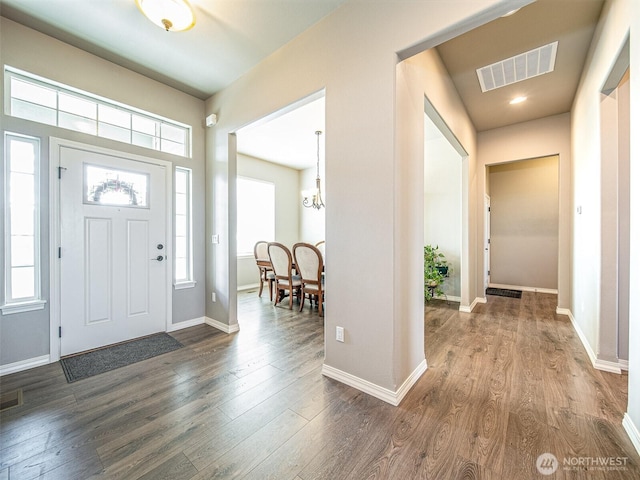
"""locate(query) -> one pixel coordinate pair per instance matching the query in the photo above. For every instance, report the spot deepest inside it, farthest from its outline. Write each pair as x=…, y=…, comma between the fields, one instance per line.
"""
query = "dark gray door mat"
x=105, y=359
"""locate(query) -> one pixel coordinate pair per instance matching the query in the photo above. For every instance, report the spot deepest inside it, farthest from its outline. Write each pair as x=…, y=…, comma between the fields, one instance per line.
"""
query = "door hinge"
x=488, y=209
x=60, y=169
x=59, y=332
x=59, y=252
x=488, y=272
x=488, y=240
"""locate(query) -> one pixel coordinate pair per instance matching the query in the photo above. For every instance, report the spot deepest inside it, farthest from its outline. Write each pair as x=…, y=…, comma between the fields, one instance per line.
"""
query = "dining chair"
x=310, y=265
x=320, y=246
x=261, y=253
x=285, y=280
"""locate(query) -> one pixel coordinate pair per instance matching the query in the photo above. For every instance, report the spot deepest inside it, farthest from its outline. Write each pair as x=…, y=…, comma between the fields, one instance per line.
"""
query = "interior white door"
x=113, y=265
x=487, y=241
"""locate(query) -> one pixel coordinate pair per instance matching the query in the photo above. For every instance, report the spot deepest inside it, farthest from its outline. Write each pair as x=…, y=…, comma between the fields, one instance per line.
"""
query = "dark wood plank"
x=504, y=384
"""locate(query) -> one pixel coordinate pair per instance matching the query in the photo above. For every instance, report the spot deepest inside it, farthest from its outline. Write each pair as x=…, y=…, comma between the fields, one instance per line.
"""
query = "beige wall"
x=351, y=53
x=426, y=77
x=538, y=138
x=524, y=223
x=25, y=336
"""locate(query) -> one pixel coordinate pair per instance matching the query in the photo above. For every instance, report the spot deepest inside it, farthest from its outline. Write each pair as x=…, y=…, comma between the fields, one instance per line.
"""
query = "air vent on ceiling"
x=521, y=67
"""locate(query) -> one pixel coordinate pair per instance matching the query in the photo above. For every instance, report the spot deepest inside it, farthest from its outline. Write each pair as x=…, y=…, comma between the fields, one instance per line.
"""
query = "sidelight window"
x=22, y=224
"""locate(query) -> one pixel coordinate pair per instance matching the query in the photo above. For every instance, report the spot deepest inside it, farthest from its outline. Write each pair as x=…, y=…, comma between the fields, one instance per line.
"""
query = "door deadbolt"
x=159, y=246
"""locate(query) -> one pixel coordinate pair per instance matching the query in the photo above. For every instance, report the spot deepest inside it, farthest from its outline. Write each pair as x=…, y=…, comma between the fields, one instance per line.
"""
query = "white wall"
x=588, y=163
x=443, y=206
x=633, y=410
x=25, y=336
x=287, y=202
x=538, y=138
x=353, y=54
x=618, y=17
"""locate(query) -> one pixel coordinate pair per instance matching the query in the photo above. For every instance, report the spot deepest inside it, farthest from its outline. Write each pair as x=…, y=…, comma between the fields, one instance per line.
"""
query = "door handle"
x=159, y=258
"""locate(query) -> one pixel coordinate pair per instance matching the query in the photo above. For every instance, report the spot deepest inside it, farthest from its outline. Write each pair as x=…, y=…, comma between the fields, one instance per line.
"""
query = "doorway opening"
x=613, y=330
x=524, y=224
x=278, y=159
x=445, y=214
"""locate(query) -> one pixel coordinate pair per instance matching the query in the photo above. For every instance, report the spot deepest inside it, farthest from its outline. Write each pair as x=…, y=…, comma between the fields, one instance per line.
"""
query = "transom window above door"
x=42, y=100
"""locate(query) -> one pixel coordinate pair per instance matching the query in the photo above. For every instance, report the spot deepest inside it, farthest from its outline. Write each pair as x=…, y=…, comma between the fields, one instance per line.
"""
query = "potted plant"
x=436, y=268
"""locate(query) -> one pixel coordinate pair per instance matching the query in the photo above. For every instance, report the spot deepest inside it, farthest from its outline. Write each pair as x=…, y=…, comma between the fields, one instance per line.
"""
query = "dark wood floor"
x=505, y=384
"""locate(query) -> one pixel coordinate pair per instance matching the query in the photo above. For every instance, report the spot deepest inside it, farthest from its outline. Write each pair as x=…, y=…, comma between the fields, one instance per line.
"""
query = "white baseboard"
x=448, y=298
x=242, y=288
x=186, y=324
x=624, y=364
x=24, y=365
x=469, y=308
x=384, y=394
x=608, y=366
x=524, y=289
x=221, y=326
x=632, y=431
x=599, y=364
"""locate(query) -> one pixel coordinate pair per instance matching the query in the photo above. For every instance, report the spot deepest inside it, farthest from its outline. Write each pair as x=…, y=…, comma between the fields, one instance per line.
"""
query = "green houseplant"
x=436, y=268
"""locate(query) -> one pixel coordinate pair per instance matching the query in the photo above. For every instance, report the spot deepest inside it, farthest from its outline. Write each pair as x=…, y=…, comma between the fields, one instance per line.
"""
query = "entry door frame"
x=55, y=144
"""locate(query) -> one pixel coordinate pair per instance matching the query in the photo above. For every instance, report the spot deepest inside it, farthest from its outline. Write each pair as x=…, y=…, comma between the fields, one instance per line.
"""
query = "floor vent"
x=516, y=69
x=10, y=399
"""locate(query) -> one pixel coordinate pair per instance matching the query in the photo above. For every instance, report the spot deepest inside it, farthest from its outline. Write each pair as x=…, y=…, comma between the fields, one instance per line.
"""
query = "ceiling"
x=570, y=22
x=229, y=37
x=288, y=139
x=232, y=36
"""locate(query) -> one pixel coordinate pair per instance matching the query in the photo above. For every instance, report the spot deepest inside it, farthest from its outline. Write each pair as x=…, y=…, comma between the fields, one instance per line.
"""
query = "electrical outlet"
x=213, y=296
x=340, y=334
x=215, y=239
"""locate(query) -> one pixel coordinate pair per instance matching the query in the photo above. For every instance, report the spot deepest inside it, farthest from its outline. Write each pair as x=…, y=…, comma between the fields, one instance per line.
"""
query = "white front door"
x=113, y=249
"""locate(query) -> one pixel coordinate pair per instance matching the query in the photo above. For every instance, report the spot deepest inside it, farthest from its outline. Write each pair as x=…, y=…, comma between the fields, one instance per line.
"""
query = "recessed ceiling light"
x=517, y=100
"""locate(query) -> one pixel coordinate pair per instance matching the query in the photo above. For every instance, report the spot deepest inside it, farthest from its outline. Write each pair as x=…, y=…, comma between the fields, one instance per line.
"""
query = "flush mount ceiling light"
x=517, y=100
x=508, y=14
x=172, y=15
x=516, y=69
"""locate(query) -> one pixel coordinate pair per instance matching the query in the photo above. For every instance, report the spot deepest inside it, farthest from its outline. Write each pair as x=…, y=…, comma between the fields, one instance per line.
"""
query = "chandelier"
x=315, y=200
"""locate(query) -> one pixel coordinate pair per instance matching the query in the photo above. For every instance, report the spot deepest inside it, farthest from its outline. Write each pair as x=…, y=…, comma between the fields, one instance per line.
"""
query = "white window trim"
x=10, y=72
x=184, y=285
x=21, y=305
x=189, y=282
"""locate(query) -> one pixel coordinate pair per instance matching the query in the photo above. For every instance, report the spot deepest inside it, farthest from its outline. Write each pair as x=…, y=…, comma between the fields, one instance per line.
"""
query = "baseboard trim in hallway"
x=632, y=431
x=599, y=364
x=384, y=394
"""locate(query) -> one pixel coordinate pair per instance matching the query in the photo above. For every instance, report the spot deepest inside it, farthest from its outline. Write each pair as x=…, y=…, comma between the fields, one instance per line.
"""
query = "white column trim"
x=384, y=394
